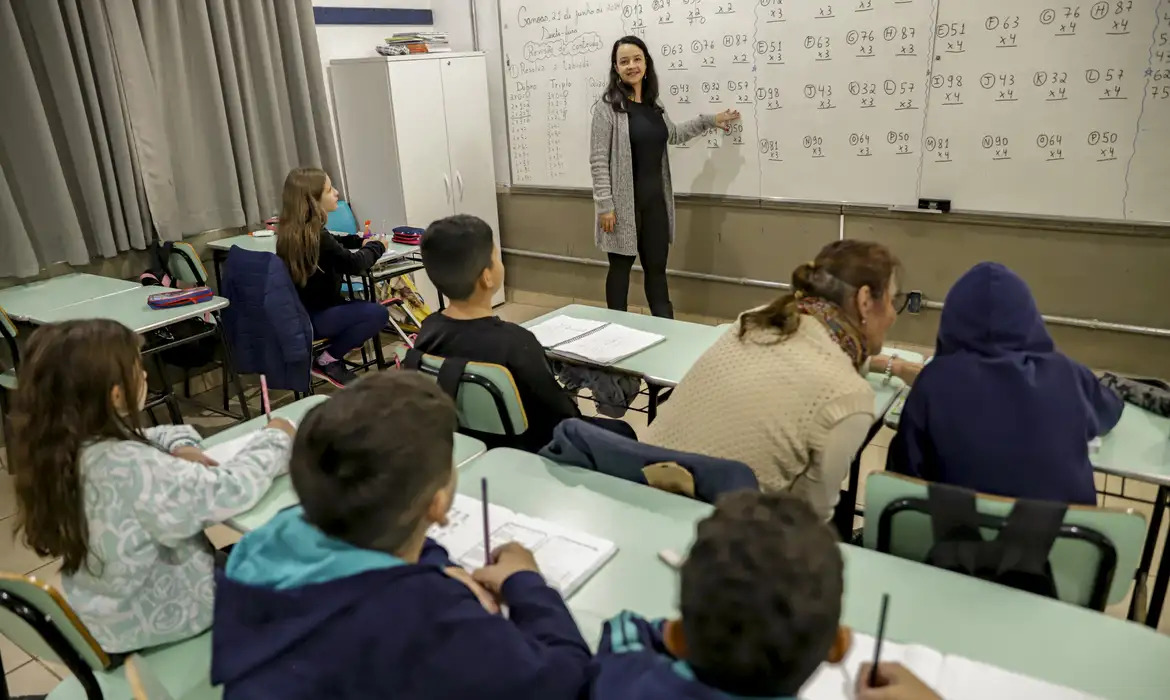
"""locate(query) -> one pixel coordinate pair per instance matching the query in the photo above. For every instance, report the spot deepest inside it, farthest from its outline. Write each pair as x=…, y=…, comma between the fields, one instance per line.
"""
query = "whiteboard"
x=1048, y=107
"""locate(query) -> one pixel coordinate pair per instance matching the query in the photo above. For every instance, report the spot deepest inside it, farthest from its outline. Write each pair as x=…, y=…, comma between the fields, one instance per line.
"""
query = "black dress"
x=648, y=138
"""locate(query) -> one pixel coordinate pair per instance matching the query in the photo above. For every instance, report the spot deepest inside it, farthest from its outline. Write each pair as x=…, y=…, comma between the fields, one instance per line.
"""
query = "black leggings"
x=653, y=226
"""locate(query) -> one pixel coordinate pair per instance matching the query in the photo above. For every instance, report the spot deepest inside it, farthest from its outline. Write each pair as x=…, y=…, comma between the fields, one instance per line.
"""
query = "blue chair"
x=342, y=220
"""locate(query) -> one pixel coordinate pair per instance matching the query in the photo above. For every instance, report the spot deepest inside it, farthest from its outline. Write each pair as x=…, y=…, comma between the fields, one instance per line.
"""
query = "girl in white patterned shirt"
x=123, y=507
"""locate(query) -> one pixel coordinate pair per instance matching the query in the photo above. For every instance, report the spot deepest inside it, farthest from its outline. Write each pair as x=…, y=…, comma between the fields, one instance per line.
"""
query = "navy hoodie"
x=998, y=409
x=633, y=663
x=299, y=614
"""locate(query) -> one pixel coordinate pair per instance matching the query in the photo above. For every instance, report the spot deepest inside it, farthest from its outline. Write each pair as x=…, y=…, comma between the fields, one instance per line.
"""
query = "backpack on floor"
x=188, y=355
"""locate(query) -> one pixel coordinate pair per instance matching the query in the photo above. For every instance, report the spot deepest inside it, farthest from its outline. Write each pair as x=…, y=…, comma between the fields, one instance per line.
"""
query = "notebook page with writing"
x=224, y=451
x=567, y=558
x=839, y=681
x=562, y=329
x=608, y=345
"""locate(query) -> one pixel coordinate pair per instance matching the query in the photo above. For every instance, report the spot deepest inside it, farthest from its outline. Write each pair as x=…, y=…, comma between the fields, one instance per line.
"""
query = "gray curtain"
x=242, y=97
x=123, y=118
x=68, y=184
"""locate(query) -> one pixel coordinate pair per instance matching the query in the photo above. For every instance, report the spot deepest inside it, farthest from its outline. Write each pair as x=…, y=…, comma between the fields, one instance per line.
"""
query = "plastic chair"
x=1093, y=559
x=36, y=618
x=342, y=220
x=486, y=398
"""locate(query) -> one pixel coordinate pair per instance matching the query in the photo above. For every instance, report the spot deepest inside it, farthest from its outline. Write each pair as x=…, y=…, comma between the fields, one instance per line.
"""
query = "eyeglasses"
x=907, y=300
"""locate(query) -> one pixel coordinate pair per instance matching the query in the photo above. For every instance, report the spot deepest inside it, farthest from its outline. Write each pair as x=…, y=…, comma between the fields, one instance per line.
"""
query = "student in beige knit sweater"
x=783, y=391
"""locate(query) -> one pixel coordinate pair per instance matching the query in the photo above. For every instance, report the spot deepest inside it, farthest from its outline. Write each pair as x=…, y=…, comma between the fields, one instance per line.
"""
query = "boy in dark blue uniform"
x=346, y=596
x=761, y=609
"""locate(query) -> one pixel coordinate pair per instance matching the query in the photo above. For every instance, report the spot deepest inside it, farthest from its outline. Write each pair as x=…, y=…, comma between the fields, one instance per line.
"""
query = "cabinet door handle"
x=459, y=179
x=447, y=186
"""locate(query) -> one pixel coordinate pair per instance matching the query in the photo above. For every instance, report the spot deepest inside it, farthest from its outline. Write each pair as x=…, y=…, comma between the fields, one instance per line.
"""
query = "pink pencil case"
x=179, y=297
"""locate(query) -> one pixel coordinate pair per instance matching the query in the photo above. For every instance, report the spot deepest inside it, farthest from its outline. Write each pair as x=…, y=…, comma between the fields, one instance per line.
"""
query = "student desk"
x=32, y=302
x=398, y=260
x=128, y=307
x=661, y=366
x=281, y=494
x=956, y=614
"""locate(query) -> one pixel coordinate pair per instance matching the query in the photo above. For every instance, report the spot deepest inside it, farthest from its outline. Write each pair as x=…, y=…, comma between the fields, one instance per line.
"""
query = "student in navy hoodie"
x=761, y=609
x=999, y=409
x=347, y=597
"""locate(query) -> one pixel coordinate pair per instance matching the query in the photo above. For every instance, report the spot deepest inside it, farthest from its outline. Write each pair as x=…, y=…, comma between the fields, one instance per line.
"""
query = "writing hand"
x=894, y=682
x=510, y=559
x=485, y=598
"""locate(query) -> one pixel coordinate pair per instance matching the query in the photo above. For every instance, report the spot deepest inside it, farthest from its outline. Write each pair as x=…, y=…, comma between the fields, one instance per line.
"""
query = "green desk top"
x=1137, y=447
x=956, y=614
x=267, y=244
x=281, y=495
x=29, y=302
x=129, y=308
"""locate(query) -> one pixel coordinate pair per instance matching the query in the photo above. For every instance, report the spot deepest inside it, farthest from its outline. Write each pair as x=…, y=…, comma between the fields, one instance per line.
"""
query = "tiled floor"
x=28, y=676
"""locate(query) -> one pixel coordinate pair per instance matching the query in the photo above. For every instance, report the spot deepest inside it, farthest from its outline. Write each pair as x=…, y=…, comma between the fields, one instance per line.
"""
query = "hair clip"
x=798, y=295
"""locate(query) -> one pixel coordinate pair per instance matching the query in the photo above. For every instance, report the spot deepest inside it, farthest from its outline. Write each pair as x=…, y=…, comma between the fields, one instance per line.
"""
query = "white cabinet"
x=416, y=141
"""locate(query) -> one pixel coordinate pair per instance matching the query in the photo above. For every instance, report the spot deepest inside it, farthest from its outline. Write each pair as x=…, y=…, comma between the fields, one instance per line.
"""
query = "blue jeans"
x=348, y=325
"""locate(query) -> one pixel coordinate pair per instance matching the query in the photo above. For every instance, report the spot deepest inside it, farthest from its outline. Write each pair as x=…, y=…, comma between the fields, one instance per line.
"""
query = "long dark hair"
x=618, y=94
x=840, y=269
x=298, y=235
x=64, y=401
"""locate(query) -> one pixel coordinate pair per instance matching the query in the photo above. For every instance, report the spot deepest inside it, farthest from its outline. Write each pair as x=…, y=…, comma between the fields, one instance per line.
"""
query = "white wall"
x=451, y=16
x=356, y=41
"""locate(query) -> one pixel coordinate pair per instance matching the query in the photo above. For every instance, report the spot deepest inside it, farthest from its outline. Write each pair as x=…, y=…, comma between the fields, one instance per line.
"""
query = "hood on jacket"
x=284, y=582
x=990, y=311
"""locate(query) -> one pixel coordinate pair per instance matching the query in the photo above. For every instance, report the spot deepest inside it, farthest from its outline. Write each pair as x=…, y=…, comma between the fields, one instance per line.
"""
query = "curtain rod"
x=1091, y=324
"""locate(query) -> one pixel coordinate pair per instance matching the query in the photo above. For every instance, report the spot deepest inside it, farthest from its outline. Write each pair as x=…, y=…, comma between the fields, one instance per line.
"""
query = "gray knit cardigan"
x=612, y=164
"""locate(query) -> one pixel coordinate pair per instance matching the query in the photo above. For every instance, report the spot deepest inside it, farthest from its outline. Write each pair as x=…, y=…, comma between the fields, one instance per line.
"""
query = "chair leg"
x=224, y=386
x=230, y=368
x=186, y=382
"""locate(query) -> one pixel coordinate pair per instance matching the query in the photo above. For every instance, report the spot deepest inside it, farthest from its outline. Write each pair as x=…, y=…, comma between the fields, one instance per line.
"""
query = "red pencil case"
x=179, y=297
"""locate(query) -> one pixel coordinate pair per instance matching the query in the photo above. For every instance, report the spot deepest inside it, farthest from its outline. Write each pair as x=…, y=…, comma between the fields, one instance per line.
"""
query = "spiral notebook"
x=595, y=342
x=952, y=677
x=566, y=557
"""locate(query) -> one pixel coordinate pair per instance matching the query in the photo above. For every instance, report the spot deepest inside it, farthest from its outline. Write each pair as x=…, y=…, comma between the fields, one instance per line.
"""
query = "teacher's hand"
x=608, y=221
x=723, y=119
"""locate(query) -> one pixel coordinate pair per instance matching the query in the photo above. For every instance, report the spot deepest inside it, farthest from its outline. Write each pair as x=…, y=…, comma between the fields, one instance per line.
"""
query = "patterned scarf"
x=843, y=330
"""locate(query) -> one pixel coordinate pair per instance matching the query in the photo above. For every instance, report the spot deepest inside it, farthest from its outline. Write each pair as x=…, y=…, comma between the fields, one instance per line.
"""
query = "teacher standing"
x=631, y=174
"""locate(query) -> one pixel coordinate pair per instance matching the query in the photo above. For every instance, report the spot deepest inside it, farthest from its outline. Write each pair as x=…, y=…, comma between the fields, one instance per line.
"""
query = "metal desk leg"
x=652, y=391
x=1162, y=581
x=217, y=258
x=1138, y=603
x=847, y=506
x=230, y=367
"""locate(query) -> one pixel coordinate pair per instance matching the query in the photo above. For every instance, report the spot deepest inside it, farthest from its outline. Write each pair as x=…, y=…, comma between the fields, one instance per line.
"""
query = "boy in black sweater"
x=463, y=262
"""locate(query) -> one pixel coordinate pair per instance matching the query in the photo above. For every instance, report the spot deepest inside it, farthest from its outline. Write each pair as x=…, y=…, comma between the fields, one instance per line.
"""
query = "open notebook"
x=592, y=341
x=567, y=558
x=952, y=677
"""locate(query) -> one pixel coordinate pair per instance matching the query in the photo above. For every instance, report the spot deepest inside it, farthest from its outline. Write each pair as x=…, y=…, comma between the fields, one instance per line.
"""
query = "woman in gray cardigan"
x=631, y=174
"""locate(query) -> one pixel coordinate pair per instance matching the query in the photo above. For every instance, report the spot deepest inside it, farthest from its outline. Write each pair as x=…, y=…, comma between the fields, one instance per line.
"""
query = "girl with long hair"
x=784, y=390
x=122, y=506
x=317, y=260
x=631, y=173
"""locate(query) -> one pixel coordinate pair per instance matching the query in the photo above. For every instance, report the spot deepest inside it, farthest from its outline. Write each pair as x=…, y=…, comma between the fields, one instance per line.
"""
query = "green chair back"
x=487, y=401
x=29, y=608
x=186, y=266
x=1074, y=562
